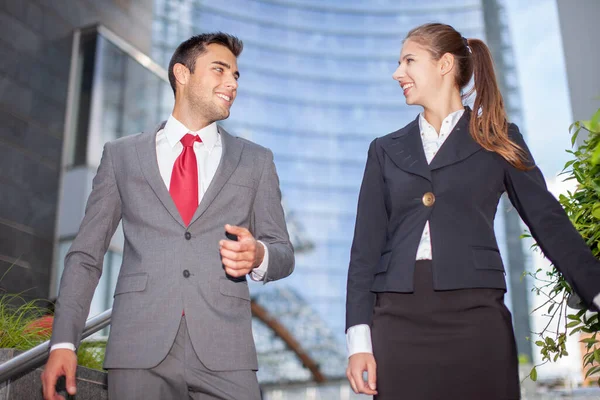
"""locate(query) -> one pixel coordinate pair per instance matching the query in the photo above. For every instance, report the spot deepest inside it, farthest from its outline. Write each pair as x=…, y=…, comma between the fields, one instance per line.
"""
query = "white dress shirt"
x=358, y=337
x=208, y=154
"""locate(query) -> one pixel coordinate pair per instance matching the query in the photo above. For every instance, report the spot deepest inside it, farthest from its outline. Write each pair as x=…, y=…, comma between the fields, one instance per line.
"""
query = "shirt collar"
x=174, y=130
x=453, y=119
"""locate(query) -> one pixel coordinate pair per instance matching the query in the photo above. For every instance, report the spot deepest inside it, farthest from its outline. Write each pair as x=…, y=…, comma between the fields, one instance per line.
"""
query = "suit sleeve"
x=550, y=225
x=269, y=224
x=369, y=239
x=83, y=262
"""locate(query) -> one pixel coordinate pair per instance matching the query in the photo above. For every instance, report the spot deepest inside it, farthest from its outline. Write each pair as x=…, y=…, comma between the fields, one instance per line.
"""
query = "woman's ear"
x=446, y=63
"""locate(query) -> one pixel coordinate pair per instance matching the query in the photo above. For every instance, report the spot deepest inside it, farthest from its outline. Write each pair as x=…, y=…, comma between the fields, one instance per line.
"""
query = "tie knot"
x=188, y=140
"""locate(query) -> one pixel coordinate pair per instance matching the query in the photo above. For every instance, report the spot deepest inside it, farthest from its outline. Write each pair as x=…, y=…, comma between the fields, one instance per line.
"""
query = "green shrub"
x=583, y=208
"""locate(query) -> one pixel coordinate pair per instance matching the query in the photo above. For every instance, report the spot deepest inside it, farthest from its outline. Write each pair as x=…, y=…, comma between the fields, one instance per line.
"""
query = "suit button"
x=188, y=236
x=186, y=273
x=428, y=199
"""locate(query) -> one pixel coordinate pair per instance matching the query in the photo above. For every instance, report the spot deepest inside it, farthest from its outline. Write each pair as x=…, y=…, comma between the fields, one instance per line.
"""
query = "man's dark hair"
x=187, y=52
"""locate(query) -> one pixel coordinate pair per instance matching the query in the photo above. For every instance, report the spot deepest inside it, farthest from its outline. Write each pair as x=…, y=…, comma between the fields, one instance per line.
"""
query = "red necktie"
x=184, y=179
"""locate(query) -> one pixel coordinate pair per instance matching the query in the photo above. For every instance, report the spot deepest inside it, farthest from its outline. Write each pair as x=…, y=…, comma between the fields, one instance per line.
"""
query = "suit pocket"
x=234, y=289
x=245, y=182
x=487, y=258
x=384, y=263
x=131, y=283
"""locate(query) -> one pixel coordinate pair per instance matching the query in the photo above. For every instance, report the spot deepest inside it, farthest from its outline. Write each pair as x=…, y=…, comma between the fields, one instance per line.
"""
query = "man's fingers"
x=237, y=230
x=48, y=385
x=70, y=380
x=241, y=246
x=233, y=264
x=235, y=255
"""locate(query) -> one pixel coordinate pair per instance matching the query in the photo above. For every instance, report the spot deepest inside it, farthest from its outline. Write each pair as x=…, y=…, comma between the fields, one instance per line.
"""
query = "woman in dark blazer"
x=425, y=312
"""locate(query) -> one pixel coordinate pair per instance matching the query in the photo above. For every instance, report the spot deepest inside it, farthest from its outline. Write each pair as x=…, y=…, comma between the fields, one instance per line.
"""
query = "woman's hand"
x=357, y=364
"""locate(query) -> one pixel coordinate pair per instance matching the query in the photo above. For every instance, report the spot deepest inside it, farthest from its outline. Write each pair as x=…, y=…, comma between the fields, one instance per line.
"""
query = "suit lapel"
x=405, y=149
x=458, y=146
x=146, y=150
x=230, y=158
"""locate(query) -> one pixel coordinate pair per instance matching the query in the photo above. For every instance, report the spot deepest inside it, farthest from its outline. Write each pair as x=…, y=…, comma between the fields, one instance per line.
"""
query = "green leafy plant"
x=583, y=208
x=18, y=323
x=26, y=324
x=91, y=354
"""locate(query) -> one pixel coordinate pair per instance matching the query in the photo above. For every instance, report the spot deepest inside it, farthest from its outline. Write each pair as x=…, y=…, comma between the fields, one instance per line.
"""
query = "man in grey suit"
x=181, y=322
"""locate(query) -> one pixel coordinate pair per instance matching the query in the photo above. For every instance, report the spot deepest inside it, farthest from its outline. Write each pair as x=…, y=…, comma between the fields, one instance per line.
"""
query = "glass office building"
x=316, y=88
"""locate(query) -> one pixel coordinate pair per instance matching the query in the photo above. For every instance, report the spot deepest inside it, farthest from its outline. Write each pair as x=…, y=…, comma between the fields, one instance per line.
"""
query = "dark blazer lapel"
x=405, y=149
x=146, y=150
x=230, y=158
x=458, y=146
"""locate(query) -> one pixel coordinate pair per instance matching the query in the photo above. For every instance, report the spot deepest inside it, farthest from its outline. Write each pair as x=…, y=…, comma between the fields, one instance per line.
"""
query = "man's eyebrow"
x=224, y=64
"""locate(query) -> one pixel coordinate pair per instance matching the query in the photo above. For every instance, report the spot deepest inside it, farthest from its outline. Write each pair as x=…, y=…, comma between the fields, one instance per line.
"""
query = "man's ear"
x=181, y=73
x=446, y=63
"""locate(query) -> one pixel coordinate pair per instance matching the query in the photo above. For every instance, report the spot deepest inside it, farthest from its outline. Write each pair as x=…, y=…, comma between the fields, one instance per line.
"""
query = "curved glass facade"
x=316, y=88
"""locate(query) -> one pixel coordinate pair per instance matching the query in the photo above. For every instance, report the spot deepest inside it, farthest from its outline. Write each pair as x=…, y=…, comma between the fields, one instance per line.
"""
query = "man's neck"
x=190, y=120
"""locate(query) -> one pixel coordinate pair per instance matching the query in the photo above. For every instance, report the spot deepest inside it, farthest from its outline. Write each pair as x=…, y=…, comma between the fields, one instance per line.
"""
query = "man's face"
x=211, y=89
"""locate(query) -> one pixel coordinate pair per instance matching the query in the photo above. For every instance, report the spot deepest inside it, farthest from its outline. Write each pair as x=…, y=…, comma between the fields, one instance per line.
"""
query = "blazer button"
x=428, y=199
x=186, y=273
x=188, y=236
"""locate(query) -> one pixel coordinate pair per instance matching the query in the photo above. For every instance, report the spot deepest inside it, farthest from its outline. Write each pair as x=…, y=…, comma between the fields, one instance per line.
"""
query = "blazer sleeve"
x=550, y=225
x=369, y=238
x=269, y=223
x=84, y=260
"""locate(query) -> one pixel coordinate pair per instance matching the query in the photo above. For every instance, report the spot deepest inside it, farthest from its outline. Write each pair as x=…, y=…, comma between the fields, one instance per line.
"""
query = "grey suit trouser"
x=180, y=376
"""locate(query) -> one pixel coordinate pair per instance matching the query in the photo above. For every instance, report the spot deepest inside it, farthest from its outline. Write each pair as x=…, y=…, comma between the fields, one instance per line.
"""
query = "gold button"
x=428, y=199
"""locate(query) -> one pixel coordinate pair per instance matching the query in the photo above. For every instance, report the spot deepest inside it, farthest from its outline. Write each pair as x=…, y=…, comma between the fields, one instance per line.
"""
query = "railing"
x=37, y=356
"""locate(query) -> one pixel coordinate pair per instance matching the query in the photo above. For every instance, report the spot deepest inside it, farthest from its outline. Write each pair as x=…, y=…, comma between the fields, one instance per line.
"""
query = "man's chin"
x=221, y=115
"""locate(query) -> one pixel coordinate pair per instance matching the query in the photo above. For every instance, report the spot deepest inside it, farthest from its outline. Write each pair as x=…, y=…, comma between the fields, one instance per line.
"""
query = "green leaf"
x=572, y=324
x=597, y=355
x=533, y=374
x=596, y=155
x=592, y=371
x=574, y=331
x=574, y=317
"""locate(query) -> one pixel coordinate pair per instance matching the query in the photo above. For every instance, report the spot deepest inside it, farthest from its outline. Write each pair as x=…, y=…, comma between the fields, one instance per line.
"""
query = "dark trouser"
x=444, y=345
x=181, y=375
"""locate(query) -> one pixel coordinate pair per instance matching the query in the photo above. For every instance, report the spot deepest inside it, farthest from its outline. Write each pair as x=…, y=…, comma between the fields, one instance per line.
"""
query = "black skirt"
x=450, y=345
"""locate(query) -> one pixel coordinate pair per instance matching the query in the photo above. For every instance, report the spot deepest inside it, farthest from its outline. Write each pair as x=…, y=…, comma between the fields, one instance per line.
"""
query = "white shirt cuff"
x=258, y=273
x=358, y=339
x=597, y=300
x=69, y=346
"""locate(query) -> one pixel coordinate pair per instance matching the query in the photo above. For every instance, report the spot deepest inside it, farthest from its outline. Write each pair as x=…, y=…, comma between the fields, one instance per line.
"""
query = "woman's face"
x=418, y=74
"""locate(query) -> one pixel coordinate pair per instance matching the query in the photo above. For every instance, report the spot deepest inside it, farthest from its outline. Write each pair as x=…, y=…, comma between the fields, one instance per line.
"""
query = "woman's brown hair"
x=488, y=126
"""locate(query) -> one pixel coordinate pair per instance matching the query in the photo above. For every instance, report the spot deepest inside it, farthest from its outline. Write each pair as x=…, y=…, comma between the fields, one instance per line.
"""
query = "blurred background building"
x=578, y=24
x=315, y=87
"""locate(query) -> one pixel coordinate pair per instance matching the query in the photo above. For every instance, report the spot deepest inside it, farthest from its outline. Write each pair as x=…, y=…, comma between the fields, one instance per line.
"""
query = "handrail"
x=37, y=356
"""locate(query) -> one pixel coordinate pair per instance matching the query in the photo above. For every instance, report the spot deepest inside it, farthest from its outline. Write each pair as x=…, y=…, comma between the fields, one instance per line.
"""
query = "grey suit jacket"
x=168, y=267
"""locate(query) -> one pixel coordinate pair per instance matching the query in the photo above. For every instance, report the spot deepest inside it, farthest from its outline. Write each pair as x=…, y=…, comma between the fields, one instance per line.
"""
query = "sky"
x=541, y=72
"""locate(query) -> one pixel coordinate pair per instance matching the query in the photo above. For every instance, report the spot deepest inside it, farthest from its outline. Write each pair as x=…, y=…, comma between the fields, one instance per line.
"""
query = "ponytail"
x=489, y=126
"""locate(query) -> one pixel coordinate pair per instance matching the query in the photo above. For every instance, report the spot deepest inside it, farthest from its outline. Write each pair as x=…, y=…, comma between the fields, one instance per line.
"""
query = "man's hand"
x=61, y=362
x=357, y=365
x=241, y=257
